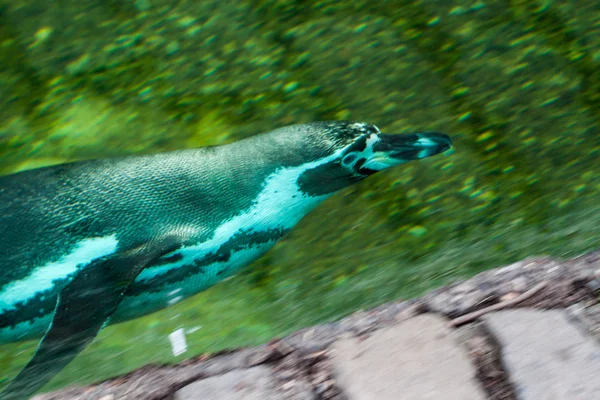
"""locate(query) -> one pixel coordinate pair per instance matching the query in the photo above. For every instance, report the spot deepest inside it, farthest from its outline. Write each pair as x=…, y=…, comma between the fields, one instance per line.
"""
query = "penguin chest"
x=161, y=286
x=234, y=244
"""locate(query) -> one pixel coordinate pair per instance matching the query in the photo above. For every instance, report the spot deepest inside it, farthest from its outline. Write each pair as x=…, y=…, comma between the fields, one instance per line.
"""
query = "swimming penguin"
x=97, y=242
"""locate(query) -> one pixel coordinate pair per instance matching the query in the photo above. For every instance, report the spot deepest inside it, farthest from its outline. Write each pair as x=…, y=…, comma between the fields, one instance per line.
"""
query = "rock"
x=416, y=359
x=249, y=384
x=546, y=356
x=587, y=316
x=313, y=339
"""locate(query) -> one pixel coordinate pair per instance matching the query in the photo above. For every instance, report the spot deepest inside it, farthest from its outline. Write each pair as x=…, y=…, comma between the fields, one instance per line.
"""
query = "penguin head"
x=357, y=150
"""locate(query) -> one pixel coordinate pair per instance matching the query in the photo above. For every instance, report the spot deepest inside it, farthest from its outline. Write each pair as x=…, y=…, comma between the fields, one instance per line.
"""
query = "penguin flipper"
x=83, y=308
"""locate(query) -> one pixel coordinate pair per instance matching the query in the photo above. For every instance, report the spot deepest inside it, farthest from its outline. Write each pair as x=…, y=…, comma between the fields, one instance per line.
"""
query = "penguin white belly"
x=150, y=301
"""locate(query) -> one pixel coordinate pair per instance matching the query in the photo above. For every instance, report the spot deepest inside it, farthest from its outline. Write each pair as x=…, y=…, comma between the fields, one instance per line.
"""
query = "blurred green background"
x=515, y=83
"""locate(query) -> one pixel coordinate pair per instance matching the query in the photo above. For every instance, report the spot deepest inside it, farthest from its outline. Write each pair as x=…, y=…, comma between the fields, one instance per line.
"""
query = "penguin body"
x=96, y=242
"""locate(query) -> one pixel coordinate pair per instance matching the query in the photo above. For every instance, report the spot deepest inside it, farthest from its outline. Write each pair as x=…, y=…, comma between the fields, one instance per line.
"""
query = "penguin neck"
x=282, y=202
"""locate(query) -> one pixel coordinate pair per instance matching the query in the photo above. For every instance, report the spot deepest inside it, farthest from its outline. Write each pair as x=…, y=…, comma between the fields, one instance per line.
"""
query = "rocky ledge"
x=526, y=331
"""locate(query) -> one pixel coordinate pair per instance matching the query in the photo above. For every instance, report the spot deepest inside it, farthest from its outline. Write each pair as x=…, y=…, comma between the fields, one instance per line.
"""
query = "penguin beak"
x=414, y=146
x=391, y=150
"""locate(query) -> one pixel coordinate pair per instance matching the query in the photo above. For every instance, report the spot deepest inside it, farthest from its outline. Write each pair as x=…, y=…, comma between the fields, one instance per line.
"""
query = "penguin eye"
x=347, y=160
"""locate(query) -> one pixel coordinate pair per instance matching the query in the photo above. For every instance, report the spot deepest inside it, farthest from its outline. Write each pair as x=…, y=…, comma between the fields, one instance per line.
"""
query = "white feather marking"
x=374, y=161
x=42, y=278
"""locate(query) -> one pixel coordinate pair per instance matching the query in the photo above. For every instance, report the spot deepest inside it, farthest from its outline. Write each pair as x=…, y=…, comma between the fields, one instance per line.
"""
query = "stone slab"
x=588, y=316
x=547, y=357
x=414, y=360
x=254, y=383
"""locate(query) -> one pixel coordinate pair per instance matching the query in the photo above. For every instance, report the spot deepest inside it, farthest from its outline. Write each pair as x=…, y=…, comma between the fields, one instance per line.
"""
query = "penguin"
x=97, y=242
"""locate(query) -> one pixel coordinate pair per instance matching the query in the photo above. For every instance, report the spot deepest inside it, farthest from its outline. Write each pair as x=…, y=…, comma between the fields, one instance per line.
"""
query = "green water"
x=515, y=83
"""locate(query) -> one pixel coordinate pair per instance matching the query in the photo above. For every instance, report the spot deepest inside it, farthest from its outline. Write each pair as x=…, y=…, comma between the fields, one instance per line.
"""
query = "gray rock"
x=490, y=286
x=588, y=317
x=416, y=359
x=249, y=384
x=546, y=356
x=313, y=339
